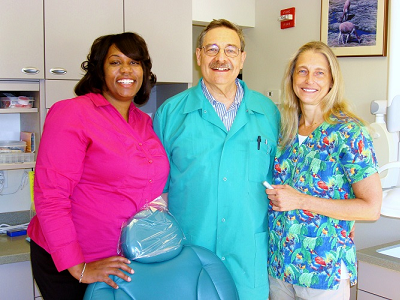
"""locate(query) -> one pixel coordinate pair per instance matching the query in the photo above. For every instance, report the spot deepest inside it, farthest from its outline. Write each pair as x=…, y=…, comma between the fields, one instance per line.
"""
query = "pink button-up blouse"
x=94, y=171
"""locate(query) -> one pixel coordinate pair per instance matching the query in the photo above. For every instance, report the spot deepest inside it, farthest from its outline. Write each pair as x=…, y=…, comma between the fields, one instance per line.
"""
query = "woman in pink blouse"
x=99, y=162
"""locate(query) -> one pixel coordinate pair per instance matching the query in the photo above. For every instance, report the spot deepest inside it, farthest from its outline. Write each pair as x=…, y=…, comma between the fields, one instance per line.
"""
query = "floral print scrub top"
x=305, y=248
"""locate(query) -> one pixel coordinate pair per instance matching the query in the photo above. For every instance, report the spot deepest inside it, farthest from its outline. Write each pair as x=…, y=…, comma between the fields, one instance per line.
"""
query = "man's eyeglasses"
x=213, y=50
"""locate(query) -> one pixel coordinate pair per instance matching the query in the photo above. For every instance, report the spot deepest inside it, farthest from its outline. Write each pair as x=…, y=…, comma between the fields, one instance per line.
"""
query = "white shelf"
x=25, y=165
x=18, y=110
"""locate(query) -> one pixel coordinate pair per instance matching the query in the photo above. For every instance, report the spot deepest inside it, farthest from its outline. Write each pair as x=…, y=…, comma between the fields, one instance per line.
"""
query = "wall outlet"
x=274, y=95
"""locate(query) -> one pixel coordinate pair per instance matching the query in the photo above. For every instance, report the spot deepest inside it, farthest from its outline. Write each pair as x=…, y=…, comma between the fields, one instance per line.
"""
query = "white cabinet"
x=16, y=281
x=166, y=27
x=49, y=39
x=375, y=282
x=70, y=29
x=21, y=31
x=243, y=13
x=57, y=90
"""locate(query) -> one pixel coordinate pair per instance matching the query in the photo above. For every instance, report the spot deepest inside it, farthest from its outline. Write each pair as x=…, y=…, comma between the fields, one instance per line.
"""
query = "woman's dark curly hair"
x=130, y=44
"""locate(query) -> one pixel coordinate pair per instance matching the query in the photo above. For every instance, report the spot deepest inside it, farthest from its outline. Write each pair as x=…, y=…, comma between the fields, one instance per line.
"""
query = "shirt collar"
x=196, y=99
x=238, y=96
x=99, y=100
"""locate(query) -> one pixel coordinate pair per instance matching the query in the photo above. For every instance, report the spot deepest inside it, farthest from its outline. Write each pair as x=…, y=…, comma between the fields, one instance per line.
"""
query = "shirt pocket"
x=258, y=160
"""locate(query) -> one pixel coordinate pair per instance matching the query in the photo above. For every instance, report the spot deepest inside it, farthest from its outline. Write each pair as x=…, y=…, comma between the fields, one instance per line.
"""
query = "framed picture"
x=355, y=27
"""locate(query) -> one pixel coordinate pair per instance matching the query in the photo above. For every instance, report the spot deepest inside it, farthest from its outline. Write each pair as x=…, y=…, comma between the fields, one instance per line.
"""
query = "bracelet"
x=83, y=271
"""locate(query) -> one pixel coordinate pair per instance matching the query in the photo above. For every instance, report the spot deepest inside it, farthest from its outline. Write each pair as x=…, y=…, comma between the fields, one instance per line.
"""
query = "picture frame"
x=355, y=27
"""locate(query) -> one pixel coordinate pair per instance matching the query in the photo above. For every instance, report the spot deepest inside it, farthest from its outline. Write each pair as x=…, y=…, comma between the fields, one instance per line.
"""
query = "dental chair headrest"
x=150, y=236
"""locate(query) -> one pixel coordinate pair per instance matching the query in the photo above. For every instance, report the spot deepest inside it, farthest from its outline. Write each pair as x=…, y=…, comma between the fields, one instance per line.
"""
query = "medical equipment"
x=386, y=143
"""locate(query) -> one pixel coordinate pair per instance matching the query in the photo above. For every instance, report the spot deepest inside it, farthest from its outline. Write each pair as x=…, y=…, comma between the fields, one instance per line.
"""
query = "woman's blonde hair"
x=332, y=104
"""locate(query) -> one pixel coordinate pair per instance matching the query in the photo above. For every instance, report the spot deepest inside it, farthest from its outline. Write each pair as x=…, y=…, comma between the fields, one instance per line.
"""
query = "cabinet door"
x=57, y=90
x=70, y=29
x=378, y=280
x=21, y=31
x=361, y=295
x=166, y=27
x=16, y=281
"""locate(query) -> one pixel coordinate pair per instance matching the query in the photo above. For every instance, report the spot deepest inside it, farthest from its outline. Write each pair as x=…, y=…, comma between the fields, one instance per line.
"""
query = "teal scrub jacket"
x=215, y=186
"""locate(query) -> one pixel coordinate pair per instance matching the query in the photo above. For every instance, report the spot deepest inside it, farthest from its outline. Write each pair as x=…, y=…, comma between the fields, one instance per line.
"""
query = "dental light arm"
x=386, y=144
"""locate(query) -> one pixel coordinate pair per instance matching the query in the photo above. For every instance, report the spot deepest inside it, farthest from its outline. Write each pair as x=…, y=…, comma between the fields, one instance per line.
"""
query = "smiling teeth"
x=125, y=81
x=309, y=90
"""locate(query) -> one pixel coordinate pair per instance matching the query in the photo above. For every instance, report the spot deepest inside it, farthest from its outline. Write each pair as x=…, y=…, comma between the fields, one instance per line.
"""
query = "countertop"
x=370, y=255
x=13, y=249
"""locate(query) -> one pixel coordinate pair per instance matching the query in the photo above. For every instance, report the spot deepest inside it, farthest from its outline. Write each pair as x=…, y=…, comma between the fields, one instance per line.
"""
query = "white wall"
x=16, y=195
x=269, y=48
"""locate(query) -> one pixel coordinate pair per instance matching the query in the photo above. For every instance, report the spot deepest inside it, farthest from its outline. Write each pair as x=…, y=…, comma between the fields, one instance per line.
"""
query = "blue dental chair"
x=164, y=267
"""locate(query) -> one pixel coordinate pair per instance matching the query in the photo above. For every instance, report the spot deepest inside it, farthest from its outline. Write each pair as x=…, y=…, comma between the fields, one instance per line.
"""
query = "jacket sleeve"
x=58, y=169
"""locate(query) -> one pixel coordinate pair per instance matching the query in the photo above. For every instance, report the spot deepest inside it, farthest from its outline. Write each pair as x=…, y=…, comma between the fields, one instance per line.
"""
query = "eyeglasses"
x=213, y=50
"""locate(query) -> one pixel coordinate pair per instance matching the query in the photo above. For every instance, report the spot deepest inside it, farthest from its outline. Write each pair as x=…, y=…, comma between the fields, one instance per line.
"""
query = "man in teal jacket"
x=221, y=139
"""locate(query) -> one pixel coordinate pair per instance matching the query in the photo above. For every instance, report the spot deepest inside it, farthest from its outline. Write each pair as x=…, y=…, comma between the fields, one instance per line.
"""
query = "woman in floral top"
x=325, y=179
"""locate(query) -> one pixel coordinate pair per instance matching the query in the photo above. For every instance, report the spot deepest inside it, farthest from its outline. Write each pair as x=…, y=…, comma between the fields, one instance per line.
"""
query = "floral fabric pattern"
x=305, y=248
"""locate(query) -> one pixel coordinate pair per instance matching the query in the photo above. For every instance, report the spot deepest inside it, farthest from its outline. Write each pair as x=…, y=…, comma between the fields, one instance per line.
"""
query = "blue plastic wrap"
x=151, y=235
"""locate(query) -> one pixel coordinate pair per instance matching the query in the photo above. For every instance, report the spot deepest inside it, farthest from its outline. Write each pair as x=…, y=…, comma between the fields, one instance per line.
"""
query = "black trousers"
x=53, y=285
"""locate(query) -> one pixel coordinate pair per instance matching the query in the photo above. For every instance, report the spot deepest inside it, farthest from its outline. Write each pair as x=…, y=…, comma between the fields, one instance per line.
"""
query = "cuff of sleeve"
x=68, y=256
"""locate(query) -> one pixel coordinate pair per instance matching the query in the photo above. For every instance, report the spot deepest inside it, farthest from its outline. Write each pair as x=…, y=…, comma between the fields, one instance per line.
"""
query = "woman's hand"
x=365, y=206
x=101, y=269
x=284, y=197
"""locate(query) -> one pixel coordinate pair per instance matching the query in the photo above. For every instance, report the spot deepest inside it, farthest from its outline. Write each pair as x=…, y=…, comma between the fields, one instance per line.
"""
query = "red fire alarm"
x=287, y=18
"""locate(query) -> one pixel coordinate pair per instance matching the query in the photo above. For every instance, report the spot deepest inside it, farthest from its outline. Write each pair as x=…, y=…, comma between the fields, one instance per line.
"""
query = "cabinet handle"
x=58, y=71
x=30, y=70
